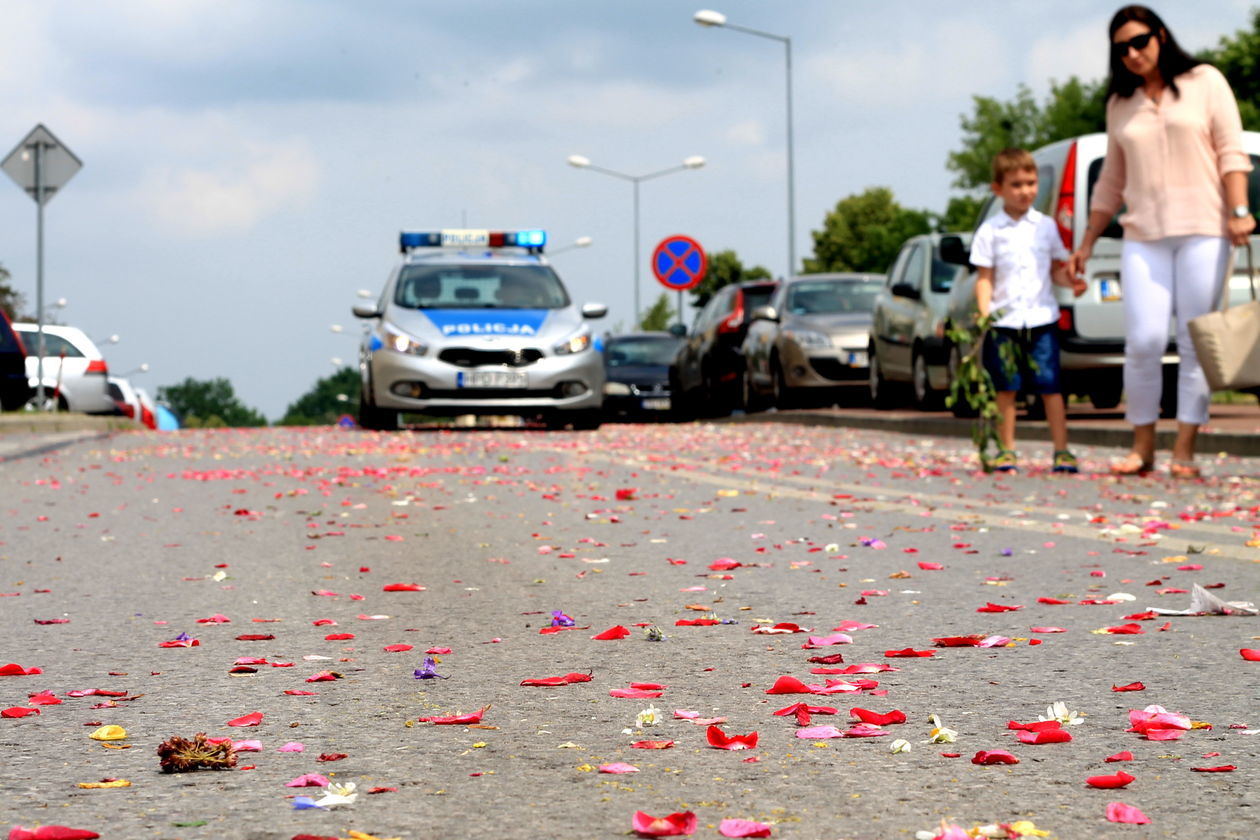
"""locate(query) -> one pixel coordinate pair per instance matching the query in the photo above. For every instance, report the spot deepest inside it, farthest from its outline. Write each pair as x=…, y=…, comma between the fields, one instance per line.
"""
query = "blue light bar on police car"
x=472, y=238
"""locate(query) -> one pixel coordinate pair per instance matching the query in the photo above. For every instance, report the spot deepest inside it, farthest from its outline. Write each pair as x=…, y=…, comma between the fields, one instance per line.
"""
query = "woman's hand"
x=1241, y=229
x=1076, y=262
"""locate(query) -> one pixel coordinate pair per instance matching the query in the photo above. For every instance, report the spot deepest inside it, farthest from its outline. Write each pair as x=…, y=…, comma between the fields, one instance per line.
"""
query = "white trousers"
x=1179, y=276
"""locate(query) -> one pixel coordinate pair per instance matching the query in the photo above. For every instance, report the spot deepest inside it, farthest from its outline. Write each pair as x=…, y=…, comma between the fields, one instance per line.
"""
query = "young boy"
x=1019, y=254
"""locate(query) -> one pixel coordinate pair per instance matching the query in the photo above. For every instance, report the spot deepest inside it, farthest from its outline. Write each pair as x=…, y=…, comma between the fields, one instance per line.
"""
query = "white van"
x=1092, y=326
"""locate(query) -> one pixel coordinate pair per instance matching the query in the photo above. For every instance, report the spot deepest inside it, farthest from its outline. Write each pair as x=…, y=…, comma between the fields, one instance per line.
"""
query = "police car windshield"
x=832, y=297
x=479, y=287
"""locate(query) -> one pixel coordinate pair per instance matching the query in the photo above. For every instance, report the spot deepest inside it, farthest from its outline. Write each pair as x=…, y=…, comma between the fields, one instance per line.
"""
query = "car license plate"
x=657, y=403
x=857, y=359
x=491, y=379
x=1109, y=289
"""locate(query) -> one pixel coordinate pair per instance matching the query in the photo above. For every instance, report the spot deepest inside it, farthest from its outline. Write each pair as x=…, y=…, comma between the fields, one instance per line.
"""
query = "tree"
x=724, y=269
x=11, y=300
x=1070, y=109
x=864, y=233
x=208, y=403
x=961, y=214
x=326, y=401
x=658, y=316
x=1238, y=58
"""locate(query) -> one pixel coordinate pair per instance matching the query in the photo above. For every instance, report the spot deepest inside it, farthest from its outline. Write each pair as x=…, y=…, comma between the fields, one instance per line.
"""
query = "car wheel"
x=782, y=394
x=753, y=401
x=585, y=421
x=926, y=398
x=376, y=419
x=681, y=403
x=960, y=408
x=1108, y=398
x=881, y=390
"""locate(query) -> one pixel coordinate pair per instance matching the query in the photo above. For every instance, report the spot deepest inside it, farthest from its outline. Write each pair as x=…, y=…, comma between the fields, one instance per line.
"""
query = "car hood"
x=500, y=328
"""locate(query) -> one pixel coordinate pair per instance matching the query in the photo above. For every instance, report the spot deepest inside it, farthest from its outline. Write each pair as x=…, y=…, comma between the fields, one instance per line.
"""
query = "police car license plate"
x=1109, y=289
x=857, y=359
x=491, y=379
x=656, y=404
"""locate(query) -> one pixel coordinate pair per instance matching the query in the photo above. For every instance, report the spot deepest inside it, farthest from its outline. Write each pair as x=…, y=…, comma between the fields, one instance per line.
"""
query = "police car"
x=477, y=322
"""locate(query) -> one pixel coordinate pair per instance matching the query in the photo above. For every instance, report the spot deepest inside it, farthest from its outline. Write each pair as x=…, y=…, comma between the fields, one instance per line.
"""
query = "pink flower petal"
x=1118, y=812
x=743, y=828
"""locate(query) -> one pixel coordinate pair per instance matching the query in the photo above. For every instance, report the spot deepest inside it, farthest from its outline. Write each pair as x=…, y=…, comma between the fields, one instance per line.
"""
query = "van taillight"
x=1065, y=211
x=97, y=366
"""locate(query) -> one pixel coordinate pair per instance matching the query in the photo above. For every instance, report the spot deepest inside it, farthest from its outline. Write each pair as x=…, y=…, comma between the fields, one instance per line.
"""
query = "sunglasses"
x=1120, y=49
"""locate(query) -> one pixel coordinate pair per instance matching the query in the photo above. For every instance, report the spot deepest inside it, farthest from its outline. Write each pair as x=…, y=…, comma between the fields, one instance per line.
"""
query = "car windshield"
x=641, y=351
x=831, y=297
x=943, y=274
x=479, y=287
x=54, y=345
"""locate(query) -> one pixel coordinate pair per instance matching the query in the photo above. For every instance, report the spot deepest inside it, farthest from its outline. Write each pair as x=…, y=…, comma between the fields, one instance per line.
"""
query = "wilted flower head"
x=899, y=746
x=181, y=755
x=1059, y=711
x=428, y=670
x=649, y=716
x=940, y=734
x=559, y=619
x=654, y=633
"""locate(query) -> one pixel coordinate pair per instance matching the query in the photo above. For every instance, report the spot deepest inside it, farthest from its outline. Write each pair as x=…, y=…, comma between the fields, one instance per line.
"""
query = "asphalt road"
x=129, y=541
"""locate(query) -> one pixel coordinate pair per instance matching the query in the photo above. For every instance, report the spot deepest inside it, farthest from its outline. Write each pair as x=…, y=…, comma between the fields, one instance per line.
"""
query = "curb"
x=1229, y=443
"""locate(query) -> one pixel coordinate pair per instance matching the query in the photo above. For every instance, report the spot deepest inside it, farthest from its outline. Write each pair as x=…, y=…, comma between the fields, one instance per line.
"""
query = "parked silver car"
x=908, y=342
x=810, y=339
x=75, y=373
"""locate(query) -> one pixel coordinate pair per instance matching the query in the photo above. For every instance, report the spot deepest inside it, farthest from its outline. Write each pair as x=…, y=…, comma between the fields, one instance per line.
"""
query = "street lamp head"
x=366, y=294
x=579, y=161
x=335, y=328
x=694, y=162
x=583, y=242
x=113, y=339
x=708, y=17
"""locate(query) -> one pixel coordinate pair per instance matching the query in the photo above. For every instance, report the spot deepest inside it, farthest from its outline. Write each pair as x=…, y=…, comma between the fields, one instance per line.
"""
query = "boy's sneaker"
x=1006, y=461
x=1065, y=462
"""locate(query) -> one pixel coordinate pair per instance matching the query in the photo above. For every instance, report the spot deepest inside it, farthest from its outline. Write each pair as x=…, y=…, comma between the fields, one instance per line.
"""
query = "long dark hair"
x=1173, y=60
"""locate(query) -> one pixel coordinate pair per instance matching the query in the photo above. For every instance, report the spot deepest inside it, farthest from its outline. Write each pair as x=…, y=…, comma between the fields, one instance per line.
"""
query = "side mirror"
x=953, y=251
x=594, y=310
x=905, y=290
x=765, y=313
x=678, y=330
x=366, y=310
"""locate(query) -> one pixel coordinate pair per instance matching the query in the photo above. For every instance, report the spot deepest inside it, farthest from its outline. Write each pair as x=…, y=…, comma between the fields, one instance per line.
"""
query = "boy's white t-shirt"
x=1020, y=252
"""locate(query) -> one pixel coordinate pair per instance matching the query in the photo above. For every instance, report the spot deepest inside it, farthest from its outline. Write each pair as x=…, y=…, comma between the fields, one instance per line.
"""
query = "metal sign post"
x=41, y=166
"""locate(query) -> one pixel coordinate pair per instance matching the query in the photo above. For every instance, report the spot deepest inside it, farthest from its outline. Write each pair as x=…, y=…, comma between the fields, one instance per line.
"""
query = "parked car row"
x=73, y=372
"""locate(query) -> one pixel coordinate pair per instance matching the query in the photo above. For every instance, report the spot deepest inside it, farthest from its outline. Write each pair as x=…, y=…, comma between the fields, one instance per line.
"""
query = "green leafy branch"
x=973, y=385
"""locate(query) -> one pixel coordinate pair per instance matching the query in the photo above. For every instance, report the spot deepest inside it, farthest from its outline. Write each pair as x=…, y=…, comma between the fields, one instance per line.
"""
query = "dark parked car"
x=636, y=374
x=707, y=376
x=15, y=389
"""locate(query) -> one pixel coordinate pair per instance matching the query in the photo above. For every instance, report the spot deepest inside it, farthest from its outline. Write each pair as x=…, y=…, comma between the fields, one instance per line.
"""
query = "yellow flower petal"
x=109, y=733
x=115, y=783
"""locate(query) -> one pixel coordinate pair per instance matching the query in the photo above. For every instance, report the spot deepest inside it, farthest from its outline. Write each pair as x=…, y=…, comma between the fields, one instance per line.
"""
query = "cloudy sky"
x=249, y=163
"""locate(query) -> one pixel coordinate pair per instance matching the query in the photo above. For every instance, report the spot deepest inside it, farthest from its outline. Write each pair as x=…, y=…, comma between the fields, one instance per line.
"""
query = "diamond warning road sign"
x=41, y=165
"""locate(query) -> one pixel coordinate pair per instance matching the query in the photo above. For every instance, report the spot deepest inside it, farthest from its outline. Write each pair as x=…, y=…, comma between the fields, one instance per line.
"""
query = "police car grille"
x=472, y=357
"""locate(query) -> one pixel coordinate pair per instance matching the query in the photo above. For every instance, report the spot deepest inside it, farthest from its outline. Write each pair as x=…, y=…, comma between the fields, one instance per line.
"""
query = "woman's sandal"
x=1131, y=464
x=1178, y=468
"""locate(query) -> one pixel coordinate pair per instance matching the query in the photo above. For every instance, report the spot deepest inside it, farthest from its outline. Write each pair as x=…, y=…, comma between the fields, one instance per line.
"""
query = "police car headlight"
x=400, y=342
x=574, y=344
x=807, y=338
x=616, y=389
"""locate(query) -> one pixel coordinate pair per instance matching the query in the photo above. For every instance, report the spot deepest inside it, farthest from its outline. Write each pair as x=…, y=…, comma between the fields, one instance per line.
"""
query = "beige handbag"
x=1227, y=340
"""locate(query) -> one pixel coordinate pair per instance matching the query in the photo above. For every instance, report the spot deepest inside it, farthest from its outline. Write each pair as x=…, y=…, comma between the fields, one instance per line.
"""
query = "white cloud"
x=747, y=133
x=1080, y=51
x=256, y=181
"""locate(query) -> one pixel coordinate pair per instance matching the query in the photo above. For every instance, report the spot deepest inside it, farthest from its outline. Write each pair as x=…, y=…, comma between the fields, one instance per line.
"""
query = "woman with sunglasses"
x=1175, y=163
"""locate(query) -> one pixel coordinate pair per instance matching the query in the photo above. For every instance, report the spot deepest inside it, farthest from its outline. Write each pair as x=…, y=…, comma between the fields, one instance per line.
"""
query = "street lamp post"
x=580, y=162
x=708, y=17
x=580, y=242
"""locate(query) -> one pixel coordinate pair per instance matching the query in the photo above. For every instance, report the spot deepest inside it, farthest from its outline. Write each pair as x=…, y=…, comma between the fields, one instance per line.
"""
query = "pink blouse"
x=1165, y=160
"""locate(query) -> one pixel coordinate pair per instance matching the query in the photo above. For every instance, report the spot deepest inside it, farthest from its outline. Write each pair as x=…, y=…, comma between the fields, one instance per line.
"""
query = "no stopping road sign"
x=679, y=262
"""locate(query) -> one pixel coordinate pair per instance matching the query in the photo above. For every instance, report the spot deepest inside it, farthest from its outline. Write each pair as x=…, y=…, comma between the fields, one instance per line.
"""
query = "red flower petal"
x=908, y=653
x=338, y=637
x=44, y=698
x=1116, y=780
x=1250, y=654
x=1133, y=686
x=930, y=567
x=612, y=633
x=1052, y=601
x=634, y=693
x=455, y=720
x=671, y=825
x=994, y=757
x=958, y=641
x=1125, y=630
x=991, y=607
x=1118, y=812
x=251, y=719
x=1035, y=726
x=402, y=587
x=255, y=637
x=1045, y=736
x=18, y=712
x=651, y=745
x=51, y=832
x=1224, y=768
x=867, y=716
x=1120, y=756
x=396, y=648
x=720, y=740
x=567, y=679
x=788, y=685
